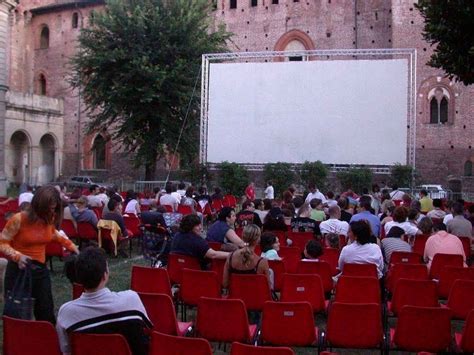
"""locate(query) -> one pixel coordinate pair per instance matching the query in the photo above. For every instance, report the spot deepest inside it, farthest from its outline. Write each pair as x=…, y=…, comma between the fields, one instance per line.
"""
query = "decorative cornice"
x=65, y=5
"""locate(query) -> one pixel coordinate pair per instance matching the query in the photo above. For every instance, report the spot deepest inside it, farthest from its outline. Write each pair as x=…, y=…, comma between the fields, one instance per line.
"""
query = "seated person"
x=169, y=199
x=275, y=220
x=270, y=245
x=393, y=242
x=400, y=215
x=81, y=213
x=332, y=239
x=459, y=225
x=188, y=241
x=303, y=222
x=312, y=250
x=222, y=230
x=248, y=215
x=333, y=224
x=436, y=212
x=317, y=211
x=441, y=242
x=245, y=261
x=100, y=311
x=115, y=214
x=131, y=203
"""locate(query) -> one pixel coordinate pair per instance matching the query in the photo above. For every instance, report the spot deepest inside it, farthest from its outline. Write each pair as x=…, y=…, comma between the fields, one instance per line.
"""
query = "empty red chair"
x=196, y=284
x=363, y=270
x=465, y=340
x=461, y=298
x=77, y=290
x=288, y=323
x=163, y=344
x=216, y=205
x=281, y=235
x=217, y=265
x=85, y=231
x=405, y=271
x=22, y=337
x=300, y=239
x=278, y=267
x=161, y=312
x=95, y=344
x=404, y=257
x=422, y=329
x=440, y=261
x=348, y=326
x=244, y=349
x=419, y=244
x=331, y=256
x=291, y=256
x=321, y=268
x=449, y=274
x=54, y=249
x=97, y=211
x=466, y=244
x=304, y=288
x=254, y=290
x=178, y=262
x=150, y=280
x=224, y=320
x=420, y=293
x=132, y=223
x=67, y=226
x=185, y=210
x=355, y=289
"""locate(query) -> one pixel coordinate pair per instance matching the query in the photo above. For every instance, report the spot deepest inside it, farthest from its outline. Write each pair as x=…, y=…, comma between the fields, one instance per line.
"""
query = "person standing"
x=250, y=191
x=426, y=202
x=24, y=240
x=314, y=193
x=269, y=191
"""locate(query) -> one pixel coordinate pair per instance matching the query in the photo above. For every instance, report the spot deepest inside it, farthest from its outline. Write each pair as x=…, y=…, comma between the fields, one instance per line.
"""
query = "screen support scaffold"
x=269, y=57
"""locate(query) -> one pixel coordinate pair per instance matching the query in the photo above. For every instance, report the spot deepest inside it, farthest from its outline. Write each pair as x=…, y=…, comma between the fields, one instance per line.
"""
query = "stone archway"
x=20, y=159
x=46, y=170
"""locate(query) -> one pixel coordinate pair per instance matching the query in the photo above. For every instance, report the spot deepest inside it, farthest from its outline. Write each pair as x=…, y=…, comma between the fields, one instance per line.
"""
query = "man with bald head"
x=333, y=224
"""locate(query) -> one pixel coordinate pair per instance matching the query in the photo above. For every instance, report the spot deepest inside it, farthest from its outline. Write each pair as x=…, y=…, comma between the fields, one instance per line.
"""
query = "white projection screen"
x=335, y=111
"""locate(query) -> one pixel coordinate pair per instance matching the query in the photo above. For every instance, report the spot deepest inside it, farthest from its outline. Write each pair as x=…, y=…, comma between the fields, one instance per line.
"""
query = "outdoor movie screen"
x=336, y=111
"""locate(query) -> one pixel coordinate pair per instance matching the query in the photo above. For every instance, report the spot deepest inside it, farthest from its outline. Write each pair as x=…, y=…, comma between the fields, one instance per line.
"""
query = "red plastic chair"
x=168, y=208
x=253, y=290
x=405, y=271
x=97, y=211
x=291, y=257
x=289, y=324
x=160, y=310
x=403, y=257
x=54, y=249
x=178, y=262
x=304, y=288
x=362, y=270
x=217, y=265
x=77, y=290
x=420, y=293
x=215, y=245
x=67, y=226
x=22, y=337
x=132, y=223
x=300, y=239
x=422, y=329
x=461, y=298
x=243, y=349
x=94, y=344
x=150, y=280
x=321, y=268
x=281, y=235
x=465, y=340
x=185, y=210
x=466, y=244
x=230, y=200
x=331, y=256
x=440, y=261
x=348, y=323
x=278, y=267
x=449, y=274
x=216, y=205
x=224, y=320
x=163, y=344
x=86, y=231
x=419, y=244
x=355, y=289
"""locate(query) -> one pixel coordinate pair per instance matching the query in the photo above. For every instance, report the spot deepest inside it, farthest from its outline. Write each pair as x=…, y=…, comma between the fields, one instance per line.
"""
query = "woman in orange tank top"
x=24, y=240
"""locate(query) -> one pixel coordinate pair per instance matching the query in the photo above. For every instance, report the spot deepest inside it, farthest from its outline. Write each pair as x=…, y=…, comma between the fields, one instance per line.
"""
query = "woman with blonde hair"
x=244, y=260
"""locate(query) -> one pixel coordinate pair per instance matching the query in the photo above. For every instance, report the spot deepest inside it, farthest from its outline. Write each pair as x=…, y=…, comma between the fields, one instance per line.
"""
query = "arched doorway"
x=99, y=152
x=46, y=171
x=20, y=147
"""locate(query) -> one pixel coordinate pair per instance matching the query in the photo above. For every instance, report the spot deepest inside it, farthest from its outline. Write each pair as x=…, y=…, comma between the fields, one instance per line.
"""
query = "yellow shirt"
x=426, y=204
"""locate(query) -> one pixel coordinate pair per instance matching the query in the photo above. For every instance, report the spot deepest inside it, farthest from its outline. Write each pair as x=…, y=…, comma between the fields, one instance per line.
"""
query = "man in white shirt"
x=93, y=199
x=169, y=199
x=396, y=194
x=102, y=196
x=333, y=224
x=314, y=193
x=181, y=189
x=269, y=191
x=26, y=196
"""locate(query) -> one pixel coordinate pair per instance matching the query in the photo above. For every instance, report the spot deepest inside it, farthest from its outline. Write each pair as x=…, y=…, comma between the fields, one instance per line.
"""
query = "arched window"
x=41, y=85
x=44, y=39
x=438, y=105
x=98, y=150
x=75, y=20
x=468, y=168
x=295, y=45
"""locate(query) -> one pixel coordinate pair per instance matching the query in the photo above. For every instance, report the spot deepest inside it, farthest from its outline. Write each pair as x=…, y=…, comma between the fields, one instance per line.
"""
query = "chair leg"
x=51, y=263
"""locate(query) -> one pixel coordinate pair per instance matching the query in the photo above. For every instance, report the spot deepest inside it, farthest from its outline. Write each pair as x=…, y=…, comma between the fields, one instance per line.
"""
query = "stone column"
x=5, y=7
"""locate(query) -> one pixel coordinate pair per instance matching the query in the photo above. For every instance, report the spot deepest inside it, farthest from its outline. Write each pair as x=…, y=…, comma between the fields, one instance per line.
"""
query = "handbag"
x=19, y=303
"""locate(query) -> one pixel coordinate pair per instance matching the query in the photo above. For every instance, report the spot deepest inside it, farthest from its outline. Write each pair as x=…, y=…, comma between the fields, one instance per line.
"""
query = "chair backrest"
x=466, y=244
x=467, y=339
x=321, y=268
x=291, y=257
x=419, y=244
x=404, y=257
x=54, y=249
x=278, y=267
x=85, y=230
x=461, y=298
x=29, y=337
x=245, y=349
x=94, y=344
x=132, y=223
x=77, y=290
x=300, y=239
x=215, y=245
x=216, y=205
x=303, y=288
x=405, y=271
x=281, y=235
x=161, y=312
x=356, y=289
x=254, y=290
x=364, y=270
x=163, y=344
x=288, y=323
x=217, y=265
x=150, y=280
x=348, y=323
x=231, y=200
x=68, y=227
x=178, y=262
x=222, y=320
x=449, y=274
x=196, y=284
x=440, y=261
x=331, y=256
x=185, y=209
x=423, y=329
x=420, y=293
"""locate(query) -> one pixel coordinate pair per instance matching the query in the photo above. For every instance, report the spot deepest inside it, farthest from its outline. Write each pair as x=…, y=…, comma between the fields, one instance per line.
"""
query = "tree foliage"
x=198, y=174
x=314, y=172
x=355, y=179
x=281, y=174
x=136, y=68
x=233, y=178
x=401, y=175
x=449, y=25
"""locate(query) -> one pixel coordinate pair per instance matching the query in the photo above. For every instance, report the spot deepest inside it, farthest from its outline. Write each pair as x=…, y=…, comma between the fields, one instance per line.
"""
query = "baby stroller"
x=156, y=244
